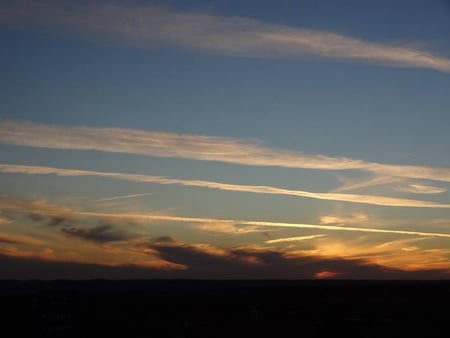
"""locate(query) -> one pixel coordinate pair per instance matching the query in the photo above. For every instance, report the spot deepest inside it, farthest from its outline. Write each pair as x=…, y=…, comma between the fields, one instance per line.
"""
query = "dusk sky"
x=225, y=139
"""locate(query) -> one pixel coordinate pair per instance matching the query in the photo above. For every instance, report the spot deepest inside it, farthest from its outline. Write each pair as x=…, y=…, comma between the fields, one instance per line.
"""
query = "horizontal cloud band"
x=260, y=189
x=264, y=224
x=51, y=210
x=147, y=26
x=195, y=147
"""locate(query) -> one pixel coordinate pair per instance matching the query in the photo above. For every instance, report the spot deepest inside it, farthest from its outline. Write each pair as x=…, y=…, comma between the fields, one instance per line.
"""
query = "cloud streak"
x=149, y=26
x=421, y=189
x=195, y=147
x=50, y=210
x=121, y=197
x=293, y=239
x=168, y=218
x=259, y=189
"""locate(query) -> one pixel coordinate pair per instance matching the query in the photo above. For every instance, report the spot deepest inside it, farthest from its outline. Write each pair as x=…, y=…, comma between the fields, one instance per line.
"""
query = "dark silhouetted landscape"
x=235, y=308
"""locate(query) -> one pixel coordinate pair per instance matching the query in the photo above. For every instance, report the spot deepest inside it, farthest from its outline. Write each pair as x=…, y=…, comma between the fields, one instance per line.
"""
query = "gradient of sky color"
x=225, y=139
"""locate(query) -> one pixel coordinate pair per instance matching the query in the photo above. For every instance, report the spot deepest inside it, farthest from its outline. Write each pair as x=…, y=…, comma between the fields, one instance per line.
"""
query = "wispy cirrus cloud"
x=349, y=184
x=149, y=26
x=293, y=239
x=421, y=189
x=196, y=147
x=357, y=218
x=47, y=209
x=259, y=189
x=120, y=197
x=227, y=228
x=165, y=144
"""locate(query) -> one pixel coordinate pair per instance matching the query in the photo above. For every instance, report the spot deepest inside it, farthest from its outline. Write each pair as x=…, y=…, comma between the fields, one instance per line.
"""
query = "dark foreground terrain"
x=197, y=308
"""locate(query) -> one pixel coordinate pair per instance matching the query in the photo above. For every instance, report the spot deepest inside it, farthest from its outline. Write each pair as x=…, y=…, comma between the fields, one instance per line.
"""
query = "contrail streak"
x=262, y=224
x=259, y=189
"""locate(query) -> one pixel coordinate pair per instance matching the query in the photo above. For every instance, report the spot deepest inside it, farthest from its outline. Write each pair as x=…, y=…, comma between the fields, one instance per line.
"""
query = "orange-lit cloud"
x=399, y=253
x=52, y=210
x=260, y=189
x=264, y=262
x=4, y=220
x=15, y=238
x=357, y=218
x=147, y=26
x=227, y=228
x=113, y=245
x=293, y=239
x=326, y=274
x=202, y=260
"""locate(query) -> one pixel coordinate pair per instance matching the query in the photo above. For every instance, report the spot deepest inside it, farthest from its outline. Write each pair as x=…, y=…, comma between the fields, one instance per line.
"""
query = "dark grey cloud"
x=101, y=234
x=49, y=219
x=163, y=239
x=247, y=263
x=201, y=264
x=58, y=220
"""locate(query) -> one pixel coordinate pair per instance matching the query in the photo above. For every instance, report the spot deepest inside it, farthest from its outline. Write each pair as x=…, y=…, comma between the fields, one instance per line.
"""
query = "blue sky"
x=315, y=132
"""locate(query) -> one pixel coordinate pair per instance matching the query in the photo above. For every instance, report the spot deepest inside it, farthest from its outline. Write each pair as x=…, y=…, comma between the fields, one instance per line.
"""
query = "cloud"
x=19, y=239
x=163, y=239
x=293, y=239
x=240, y=262
x=114, y=198
x=202, y=265
x=326, y=274
x=58, y=221
x=410, y=248
x=42, y=209
x=168, y=258
x=165, y=144
x=260, y=189
x=149, y=26
x=357, y=218
x=227, y=228
x=4, y=220
x=7, y=240
x=194, y=147
x=37, y=210
x=398, y=253
x=421, y=189
x=356, y=184
x=100, y=234
x=261, y=224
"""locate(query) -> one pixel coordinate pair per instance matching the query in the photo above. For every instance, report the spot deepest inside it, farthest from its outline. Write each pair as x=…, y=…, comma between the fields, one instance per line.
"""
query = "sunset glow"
x=221, y=140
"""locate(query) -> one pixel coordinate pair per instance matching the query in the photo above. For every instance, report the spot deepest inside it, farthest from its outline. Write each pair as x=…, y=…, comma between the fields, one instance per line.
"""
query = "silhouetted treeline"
x=200, y=308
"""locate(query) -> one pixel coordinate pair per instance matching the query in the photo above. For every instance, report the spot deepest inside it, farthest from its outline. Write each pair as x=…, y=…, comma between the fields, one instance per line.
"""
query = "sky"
x=225, y=139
